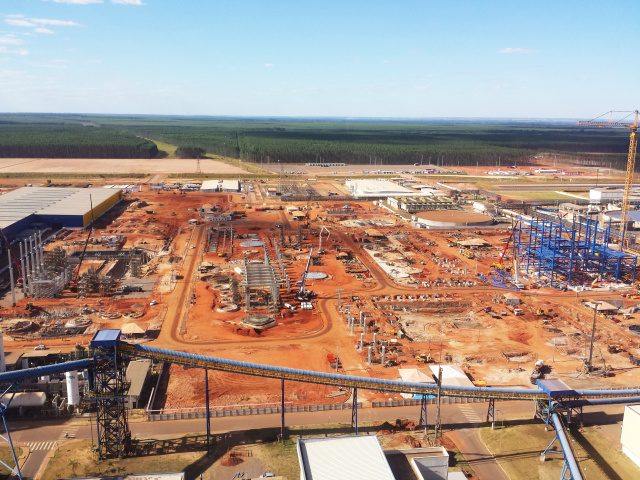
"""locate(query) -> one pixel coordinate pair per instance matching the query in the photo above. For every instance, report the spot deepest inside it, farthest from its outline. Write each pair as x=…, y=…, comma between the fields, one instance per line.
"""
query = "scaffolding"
x=564, y=256
x=261, y=285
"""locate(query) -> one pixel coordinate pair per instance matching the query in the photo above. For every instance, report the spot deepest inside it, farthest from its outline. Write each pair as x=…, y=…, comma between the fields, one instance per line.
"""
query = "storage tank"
x=25, y=399
x=73, y=390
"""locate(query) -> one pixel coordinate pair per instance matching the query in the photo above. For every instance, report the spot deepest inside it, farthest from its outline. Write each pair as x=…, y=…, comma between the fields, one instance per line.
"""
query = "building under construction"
x=566, y=254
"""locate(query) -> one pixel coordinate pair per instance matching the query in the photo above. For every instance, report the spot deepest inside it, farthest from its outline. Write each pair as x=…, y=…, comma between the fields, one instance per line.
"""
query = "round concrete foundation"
x=452, y=219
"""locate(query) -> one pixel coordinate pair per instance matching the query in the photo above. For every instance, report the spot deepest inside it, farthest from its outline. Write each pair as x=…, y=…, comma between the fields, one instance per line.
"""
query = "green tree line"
x=70, y=141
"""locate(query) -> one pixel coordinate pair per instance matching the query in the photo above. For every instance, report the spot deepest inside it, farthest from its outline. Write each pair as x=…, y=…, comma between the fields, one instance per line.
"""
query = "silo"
x=73, y=390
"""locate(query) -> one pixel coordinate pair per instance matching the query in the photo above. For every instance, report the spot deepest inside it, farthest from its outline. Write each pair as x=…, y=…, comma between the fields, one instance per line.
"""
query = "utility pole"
x=437, y=425
x=593, y=336
x=339, y=292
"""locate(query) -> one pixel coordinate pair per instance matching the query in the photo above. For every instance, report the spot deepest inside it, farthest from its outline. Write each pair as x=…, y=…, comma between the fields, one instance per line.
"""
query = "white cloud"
x=127, y=2
x=17, y=22
x=21, y=21
x=43, y=30
x=515, y=50
x=19, y=51
x=269, y=65
x=57, y=23
x=9, y=40
x=77, y=2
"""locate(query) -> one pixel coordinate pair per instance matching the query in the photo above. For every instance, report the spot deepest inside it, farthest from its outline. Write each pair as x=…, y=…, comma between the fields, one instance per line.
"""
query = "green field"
x=384, y=142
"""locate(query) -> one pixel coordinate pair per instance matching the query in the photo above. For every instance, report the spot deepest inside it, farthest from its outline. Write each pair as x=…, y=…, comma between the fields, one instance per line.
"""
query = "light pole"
x=501, y=427
x=593, y=335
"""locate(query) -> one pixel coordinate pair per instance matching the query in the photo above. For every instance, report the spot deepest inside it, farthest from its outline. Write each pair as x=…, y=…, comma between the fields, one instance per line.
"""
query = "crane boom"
x=631, y=164
x=12, y=254
x=304, y=274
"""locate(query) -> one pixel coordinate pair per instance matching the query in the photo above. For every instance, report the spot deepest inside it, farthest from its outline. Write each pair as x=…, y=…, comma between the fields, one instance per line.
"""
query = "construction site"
x=369, y=287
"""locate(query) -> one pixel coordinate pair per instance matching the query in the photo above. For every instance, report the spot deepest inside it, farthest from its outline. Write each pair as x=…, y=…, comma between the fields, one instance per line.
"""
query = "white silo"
x=73, y=390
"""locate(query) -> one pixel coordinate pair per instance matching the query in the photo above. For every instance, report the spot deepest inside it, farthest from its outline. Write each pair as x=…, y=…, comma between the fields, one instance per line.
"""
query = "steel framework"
x=564, y=256
x=109, y=390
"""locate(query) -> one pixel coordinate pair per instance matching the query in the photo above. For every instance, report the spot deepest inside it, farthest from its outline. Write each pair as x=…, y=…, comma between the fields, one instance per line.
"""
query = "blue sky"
x=457, y=58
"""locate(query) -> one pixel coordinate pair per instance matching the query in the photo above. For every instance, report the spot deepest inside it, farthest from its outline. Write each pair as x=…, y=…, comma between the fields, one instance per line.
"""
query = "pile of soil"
x=385, y=429
x=413, y=442
x=231, y=460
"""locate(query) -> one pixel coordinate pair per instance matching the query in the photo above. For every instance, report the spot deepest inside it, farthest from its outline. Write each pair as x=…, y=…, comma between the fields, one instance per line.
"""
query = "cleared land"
x=119, y=166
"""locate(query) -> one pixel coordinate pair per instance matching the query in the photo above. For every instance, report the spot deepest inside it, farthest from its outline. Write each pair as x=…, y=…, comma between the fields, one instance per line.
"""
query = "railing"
x=155, y=417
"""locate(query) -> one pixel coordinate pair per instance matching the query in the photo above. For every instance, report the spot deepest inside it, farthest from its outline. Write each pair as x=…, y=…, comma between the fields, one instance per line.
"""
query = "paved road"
x=463, y=418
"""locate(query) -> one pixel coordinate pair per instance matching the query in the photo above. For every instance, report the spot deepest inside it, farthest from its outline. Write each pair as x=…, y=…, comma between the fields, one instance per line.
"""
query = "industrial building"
x=421, y=204
x=376, y=188
x=343, y=457
x=214, y=186
x=40, y=208
x=612, y=194
x=362, y=457
x=630, y=426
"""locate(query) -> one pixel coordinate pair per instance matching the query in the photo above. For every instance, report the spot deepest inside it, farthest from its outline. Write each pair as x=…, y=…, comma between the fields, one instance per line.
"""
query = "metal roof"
x=22, y=202
x=555, y=387
x=40, y=353
x=355, y=458
x=136, y=374
x=106, y=338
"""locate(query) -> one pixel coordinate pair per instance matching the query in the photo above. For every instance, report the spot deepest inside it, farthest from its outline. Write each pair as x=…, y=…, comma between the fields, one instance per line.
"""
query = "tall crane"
x=631, y=159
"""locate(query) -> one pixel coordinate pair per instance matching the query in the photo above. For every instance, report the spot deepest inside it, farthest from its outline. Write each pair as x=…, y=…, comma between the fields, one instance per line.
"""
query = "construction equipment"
x=499, y=263
x=74, y=285
x=540, y=312
x=15, y=258
x=323, y=229
x=305, y=295
x=424, y=358
x=631, y=159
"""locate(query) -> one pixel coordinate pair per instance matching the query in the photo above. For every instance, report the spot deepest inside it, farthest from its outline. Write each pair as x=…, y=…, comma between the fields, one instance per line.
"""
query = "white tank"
x=73, y=390
x=25, y=399
x=3, y=365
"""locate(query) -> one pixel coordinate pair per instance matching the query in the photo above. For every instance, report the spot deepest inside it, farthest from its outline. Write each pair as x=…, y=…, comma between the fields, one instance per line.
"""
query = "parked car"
x=40, y=347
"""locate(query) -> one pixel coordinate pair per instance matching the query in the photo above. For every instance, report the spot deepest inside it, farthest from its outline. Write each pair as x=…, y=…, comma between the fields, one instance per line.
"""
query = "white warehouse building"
x=377, y=188
x=611, y=194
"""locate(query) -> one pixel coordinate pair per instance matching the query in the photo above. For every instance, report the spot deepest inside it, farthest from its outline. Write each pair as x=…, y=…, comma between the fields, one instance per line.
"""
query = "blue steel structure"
x=109, y=391
x=571, y=255
x=570, y=468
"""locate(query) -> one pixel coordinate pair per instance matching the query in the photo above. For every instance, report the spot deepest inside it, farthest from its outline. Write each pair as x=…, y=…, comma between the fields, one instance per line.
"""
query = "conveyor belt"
x=322, y=378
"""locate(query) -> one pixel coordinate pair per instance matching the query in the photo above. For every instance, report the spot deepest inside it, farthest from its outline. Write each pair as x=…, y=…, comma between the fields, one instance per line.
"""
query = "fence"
x=430, y=401
x=154, y=417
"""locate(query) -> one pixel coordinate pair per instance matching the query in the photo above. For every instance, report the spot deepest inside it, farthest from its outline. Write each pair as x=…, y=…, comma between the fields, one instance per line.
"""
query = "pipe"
x=566, y=448
x=617, y=392
x=48, y=369
x=601, y=401
x=382, y=355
